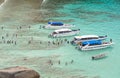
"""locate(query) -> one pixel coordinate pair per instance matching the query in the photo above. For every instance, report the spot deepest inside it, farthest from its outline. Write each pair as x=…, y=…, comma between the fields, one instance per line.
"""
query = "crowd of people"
x=59, y=62
x=14, y=38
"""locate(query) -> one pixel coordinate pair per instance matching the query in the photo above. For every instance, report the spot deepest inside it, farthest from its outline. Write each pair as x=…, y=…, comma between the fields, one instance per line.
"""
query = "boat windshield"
x=75, y=39
x=56, y=25
x=89, y=38
x=64, y=31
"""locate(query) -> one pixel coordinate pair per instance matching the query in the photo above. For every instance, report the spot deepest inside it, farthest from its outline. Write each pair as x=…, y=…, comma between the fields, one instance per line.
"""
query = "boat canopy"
x=92, y=42
x=56, y=23
x=86, y=36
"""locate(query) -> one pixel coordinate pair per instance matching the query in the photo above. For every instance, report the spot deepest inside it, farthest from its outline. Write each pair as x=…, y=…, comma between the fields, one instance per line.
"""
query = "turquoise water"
x=101, y=19
x=92, y=17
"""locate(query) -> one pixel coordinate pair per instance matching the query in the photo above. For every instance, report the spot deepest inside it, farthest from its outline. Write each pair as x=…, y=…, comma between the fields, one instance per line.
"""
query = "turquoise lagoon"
x=92, y=17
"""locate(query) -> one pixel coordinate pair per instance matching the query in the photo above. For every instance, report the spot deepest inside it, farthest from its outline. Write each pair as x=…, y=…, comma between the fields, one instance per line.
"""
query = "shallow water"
x=92, y=17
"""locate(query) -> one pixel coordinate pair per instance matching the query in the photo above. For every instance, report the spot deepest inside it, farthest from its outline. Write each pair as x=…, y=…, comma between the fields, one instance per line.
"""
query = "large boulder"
x=10, y=4
x=18, y=72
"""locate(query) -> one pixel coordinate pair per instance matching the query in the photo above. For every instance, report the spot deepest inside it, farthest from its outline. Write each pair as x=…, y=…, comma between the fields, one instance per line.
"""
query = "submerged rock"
x=18, y=72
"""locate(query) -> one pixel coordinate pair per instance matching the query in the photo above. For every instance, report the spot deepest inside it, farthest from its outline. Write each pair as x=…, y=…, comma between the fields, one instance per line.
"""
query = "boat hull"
x=99, y=56
x=95, y=47
x=66, y=34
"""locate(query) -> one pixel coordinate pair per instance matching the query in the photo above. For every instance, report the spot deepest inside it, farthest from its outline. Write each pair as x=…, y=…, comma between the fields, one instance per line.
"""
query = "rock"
x=18, y=72
x=1, y=1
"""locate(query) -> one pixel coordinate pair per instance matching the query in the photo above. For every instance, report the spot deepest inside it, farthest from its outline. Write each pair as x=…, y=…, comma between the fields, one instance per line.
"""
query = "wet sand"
x=21, y=38
x=14, y=53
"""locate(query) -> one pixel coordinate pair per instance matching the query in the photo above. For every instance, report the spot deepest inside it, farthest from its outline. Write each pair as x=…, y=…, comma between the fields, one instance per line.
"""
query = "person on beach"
x=65, y=40
x=53, y=43
x=61, y=41
x=29, y=27
x=2, y=27
x=25, y=59
x=12, y=41
x=20, y=27
x=7, y=35
x=40, y=42
x=48, y=43
x=50, y=62
x=59, y=62
x=68, y=42
x=7, y=42
x=40, y=27
x=16, y=35
x=2, y=37
x=111, y=40
x=58, y=43
x=72, y=61
x=29, y=42
x=66, y=63
x=15, y=43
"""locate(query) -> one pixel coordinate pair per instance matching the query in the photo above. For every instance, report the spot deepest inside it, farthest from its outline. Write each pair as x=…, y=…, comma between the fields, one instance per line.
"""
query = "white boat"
x=98, y=56
x=94, y=44
x=58, y=25
x=64, y=32
x=83, y=38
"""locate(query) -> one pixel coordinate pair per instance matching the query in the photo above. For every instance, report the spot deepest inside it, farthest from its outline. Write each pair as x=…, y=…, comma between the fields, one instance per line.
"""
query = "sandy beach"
x=21, y=33
x=16, y=41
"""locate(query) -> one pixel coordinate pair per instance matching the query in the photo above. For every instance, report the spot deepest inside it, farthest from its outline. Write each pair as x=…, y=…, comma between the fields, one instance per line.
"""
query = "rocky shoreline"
x=18, y=72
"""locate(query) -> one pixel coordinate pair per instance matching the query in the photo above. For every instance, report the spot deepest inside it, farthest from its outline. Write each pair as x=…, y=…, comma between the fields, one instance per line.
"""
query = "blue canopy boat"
x=57, y=25
x=83, y=38
x=94, y=44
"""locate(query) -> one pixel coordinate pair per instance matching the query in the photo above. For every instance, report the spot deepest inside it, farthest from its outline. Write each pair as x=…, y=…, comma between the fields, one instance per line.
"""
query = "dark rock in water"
x=18, y=72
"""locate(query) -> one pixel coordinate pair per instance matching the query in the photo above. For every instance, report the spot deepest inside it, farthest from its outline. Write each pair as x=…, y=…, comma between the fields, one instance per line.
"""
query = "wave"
x=1, y=2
